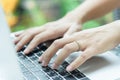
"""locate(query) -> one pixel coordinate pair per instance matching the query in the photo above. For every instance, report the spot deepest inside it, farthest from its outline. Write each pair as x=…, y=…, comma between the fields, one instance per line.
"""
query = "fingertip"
x=26, y=51
x=16, y=35
x=15, y=41
x=44, y=63
x=40, y=59
x=17, y=49
x=69, y=68
x=54, y=66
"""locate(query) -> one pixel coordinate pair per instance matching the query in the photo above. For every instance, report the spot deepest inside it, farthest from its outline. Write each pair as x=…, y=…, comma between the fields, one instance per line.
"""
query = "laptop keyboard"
x=32, y=69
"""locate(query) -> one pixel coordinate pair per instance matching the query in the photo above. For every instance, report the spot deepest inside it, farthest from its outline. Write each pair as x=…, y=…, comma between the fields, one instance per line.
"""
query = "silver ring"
x=78, y=45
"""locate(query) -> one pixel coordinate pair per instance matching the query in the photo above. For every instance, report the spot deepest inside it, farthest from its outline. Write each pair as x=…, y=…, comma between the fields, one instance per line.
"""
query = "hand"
x=90, y=42
x=41, y=34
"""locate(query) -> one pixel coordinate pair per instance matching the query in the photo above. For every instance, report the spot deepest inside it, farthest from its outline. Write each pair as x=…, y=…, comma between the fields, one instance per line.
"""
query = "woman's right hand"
x=49, y=31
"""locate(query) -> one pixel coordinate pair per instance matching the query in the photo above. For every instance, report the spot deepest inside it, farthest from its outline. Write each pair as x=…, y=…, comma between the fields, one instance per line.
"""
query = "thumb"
x=74, y=28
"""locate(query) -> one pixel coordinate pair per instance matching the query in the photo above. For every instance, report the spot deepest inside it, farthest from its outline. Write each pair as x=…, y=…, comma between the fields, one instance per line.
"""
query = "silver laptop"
x=17, y=66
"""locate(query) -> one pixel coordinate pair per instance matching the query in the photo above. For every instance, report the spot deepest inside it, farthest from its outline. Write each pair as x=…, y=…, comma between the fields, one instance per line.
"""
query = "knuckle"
x=30, y=32
x=83, y=56
x=37, y=36
x=57, y=43
x=67, y=47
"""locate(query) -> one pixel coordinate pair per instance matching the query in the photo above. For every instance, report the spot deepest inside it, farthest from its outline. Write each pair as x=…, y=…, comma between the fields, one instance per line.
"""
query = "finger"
x=32, y=32
x=65, y=52
x=18, y=34
x=88, y=53
x=23, y=41
x=74, y=28
x=39, y=39
x=18, y=38
x=49, y=53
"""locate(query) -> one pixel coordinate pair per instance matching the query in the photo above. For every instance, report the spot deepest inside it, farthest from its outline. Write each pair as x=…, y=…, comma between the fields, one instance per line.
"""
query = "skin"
x=92, y=42
x=69, y=28
x=38, y=35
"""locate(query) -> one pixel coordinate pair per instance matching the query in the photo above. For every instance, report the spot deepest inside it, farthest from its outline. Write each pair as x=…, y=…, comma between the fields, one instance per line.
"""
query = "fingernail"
x=26, y=51
x=44, y=63
x=54, y=66
x=40, y=59
x=15, y=41
x=18, y=46
x=17, y=49
x=69, y=69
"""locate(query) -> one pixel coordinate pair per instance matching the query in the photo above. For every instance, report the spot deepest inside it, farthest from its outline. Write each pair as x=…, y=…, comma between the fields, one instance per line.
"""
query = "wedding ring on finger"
x=77, y=43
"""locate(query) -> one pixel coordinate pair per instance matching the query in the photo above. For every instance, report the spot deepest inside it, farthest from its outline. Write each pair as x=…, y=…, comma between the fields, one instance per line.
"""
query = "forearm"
x=92, y=9
x=115, y=26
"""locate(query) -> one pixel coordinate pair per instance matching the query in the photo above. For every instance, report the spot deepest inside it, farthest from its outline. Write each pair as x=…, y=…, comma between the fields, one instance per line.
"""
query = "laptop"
x=17, y=66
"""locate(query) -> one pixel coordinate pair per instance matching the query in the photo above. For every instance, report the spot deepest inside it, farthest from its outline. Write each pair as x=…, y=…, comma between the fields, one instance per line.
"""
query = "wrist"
x=114, y=27
x=72, y=17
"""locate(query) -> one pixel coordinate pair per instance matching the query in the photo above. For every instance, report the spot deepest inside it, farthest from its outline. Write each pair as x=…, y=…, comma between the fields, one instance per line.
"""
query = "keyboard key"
x=37, y=63
x=39, y=53
x=22, y=57
x=63, y=72
x=29, y=76
x=30, y=54
x=75, y=71
x=24, y=69
x=46, y=69
x=85, y=78
x=20, y=54
x=70, y=77
x=41, y=75
x=79, y=75
x=52, y=73
x=35, y=50
x=37, y=71
x=43, y=47
x=39, y=45
x=57, y=78
x=65, y=64
x=28, y=63
x=33, y=58
x=34, y=69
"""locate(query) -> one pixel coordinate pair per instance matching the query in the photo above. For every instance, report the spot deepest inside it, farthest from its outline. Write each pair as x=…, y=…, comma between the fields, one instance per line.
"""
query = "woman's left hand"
x=90, y=42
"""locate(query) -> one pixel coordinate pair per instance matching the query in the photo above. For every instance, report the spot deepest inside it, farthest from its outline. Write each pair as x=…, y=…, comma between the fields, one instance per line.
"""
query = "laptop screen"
x=9, y=69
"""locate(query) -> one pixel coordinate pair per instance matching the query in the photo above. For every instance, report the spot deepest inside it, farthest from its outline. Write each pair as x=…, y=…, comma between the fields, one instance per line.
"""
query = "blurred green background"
x=32, y=13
